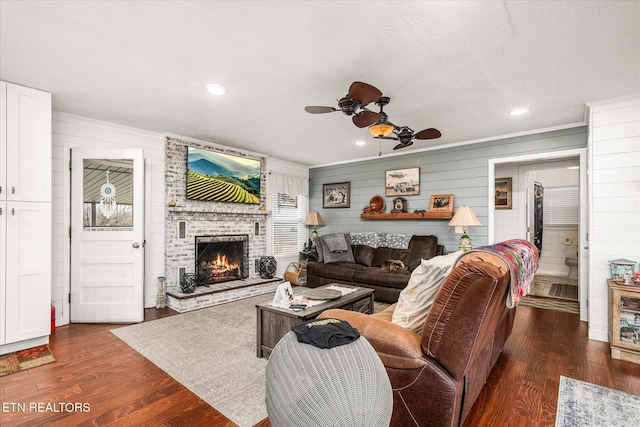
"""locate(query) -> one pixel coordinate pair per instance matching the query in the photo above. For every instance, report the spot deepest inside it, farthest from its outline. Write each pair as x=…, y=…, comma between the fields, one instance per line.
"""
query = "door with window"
x=107, y=235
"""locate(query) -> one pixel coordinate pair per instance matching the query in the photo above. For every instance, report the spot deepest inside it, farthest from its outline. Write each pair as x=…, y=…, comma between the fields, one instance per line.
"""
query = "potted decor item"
x=188, y=283
x=267, y=267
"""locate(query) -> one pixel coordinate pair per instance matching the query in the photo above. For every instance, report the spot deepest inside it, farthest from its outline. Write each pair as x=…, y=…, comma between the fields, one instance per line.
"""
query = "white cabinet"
x=25, y=217
x=28, y=271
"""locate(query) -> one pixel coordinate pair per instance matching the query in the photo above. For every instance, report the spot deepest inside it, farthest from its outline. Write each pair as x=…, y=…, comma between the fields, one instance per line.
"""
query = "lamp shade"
x=464, y=217
x=381, y=129
x=314, y=218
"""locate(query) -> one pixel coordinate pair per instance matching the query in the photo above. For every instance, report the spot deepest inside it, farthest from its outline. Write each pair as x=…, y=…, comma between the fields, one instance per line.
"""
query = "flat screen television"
x=221, y=177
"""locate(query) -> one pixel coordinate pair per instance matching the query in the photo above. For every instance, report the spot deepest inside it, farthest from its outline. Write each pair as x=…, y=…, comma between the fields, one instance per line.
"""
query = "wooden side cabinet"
x=625, y=321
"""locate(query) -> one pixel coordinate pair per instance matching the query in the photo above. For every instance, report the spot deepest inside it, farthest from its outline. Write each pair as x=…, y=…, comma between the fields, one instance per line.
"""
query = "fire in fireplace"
x=221, y=258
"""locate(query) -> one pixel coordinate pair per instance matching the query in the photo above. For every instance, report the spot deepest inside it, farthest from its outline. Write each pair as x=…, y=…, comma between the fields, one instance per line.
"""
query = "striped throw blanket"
x=522, y=258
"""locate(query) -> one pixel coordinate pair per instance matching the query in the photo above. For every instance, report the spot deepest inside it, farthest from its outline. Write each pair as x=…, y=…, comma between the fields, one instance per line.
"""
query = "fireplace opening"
x=221, y=258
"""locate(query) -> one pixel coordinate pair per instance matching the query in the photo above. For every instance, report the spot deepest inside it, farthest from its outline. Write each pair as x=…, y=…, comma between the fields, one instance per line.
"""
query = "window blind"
x=561, y=205
x=288, y=229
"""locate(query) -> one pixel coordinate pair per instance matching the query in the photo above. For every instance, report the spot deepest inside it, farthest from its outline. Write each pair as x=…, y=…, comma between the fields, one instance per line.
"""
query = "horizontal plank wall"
x=70, y=131
x=460, y=170
x=615, y=208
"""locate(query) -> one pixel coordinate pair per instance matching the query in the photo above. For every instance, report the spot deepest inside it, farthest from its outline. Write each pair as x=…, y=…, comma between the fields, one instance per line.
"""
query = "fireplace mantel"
x=188, y=210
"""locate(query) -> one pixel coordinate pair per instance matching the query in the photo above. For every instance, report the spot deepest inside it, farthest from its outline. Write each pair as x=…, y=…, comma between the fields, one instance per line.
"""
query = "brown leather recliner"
x=437, y=376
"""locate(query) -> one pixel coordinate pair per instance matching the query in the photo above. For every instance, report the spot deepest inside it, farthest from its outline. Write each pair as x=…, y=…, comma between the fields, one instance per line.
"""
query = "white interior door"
x=107, y=235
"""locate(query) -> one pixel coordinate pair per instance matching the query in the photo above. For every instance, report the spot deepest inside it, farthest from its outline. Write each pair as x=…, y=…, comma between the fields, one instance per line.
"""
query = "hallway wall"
x=461, y=170
x=558, y=243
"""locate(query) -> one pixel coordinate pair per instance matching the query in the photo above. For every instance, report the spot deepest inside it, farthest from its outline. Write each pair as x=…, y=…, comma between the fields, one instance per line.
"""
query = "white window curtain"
x=288, y=184
x=561, y=205
x=287, y=224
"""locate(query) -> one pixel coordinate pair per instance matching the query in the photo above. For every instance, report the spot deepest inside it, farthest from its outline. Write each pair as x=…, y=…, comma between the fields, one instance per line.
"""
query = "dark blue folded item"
x=326, y=333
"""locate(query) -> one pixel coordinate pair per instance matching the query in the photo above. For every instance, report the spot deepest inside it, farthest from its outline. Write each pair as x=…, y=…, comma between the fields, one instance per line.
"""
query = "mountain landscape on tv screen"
x=222, y=177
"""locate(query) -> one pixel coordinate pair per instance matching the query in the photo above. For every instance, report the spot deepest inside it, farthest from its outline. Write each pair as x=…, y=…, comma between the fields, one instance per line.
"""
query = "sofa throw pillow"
x=336, y=255
x=319, y=249
x=416, y=298
x=363, y=254
x=336, y=242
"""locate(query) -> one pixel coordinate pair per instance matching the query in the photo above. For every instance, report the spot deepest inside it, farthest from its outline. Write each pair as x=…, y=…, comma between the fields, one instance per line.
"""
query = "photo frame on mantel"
x=503, y=193
x=336, y=195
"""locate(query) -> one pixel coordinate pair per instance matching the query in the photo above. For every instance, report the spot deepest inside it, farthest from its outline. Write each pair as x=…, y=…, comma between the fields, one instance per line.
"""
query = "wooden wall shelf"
x=408, y=215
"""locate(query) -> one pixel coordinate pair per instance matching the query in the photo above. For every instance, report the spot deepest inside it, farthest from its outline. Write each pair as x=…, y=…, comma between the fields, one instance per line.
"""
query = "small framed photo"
x=503, y=193
x=402, y=182
x=336, y=195
x=441, y=203
x=283, y=296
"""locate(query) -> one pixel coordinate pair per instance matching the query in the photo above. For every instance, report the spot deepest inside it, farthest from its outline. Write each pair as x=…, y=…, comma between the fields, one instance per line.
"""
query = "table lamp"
x=314, y=219
x=464, y=217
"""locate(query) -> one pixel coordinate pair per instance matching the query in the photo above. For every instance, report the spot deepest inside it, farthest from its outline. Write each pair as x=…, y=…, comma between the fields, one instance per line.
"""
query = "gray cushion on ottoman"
x=345, y=385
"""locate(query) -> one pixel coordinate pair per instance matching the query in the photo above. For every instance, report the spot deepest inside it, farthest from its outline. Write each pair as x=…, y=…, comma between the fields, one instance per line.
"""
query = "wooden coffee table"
x=274, y=323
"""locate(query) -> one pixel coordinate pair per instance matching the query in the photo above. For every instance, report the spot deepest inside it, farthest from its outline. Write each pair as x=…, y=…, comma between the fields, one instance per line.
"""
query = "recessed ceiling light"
x=216, y=89
x=361, y=142
x=519, y=111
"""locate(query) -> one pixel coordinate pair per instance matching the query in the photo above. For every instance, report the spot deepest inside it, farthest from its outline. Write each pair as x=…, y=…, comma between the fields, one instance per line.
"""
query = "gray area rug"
x=585, y=404
x=212, y=352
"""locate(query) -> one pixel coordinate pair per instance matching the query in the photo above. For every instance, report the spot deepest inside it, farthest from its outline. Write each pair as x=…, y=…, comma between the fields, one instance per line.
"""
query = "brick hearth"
x=207, y=296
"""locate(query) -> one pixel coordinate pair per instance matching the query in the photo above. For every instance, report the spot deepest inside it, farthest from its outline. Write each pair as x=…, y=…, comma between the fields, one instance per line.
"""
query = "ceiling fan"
x=406, y=135
x=355, y=104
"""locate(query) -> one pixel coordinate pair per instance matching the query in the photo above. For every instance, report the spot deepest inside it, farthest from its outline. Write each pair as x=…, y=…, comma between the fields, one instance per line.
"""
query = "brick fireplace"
x=191, y=218
x=221, y=258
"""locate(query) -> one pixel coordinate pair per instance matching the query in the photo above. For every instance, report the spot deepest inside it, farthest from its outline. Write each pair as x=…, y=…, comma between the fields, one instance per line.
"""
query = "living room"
x=574, y=120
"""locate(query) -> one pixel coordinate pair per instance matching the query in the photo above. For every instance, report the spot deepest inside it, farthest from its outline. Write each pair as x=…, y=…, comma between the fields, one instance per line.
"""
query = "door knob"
x=136, y=245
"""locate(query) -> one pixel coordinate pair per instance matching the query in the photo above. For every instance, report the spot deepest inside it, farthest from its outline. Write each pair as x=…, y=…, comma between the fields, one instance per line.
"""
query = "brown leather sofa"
x=367, y=270
x=437, y=376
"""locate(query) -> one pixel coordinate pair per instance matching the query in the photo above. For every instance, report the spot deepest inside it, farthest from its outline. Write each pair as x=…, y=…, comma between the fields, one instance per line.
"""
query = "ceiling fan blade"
x=364, y=93
x=365, y=118
x=430, y=133
x=399, y=146
x=319, y=110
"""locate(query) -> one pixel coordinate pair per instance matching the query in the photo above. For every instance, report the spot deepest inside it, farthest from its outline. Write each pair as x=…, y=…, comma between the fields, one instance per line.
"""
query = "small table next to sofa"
x=273, y=322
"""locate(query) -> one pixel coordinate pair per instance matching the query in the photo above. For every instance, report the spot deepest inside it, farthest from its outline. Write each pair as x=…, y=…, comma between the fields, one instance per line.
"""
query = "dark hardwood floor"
x=122, y=388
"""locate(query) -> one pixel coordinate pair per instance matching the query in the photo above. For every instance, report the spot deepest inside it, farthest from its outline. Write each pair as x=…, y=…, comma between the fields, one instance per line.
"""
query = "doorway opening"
x=549, y=209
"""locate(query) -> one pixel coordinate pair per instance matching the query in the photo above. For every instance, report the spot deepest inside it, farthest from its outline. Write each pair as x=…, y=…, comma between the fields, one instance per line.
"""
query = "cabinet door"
x=3, y=142
x=625, y=318
x=3, y=269
x=28, y=270
x=28, y=144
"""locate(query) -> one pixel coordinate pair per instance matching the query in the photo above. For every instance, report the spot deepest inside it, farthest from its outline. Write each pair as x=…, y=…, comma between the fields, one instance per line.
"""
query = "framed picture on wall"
x=503, y=193
x=441, y=203
x=402, y=182
x=336, y=195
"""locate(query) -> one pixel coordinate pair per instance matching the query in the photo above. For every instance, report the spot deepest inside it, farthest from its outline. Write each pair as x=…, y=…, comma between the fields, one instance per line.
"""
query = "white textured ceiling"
x=455, y=66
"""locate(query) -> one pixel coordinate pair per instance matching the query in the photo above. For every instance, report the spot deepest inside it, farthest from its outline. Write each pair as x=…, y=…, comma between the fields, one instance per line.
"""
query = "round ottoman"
x=345, y=385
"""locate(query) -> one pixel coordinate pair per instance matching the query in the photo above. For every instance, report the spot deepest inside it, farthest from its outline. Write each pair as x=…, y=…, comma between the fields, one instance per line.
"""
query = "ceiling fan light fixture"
x=216, y=89
x=381, y=129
